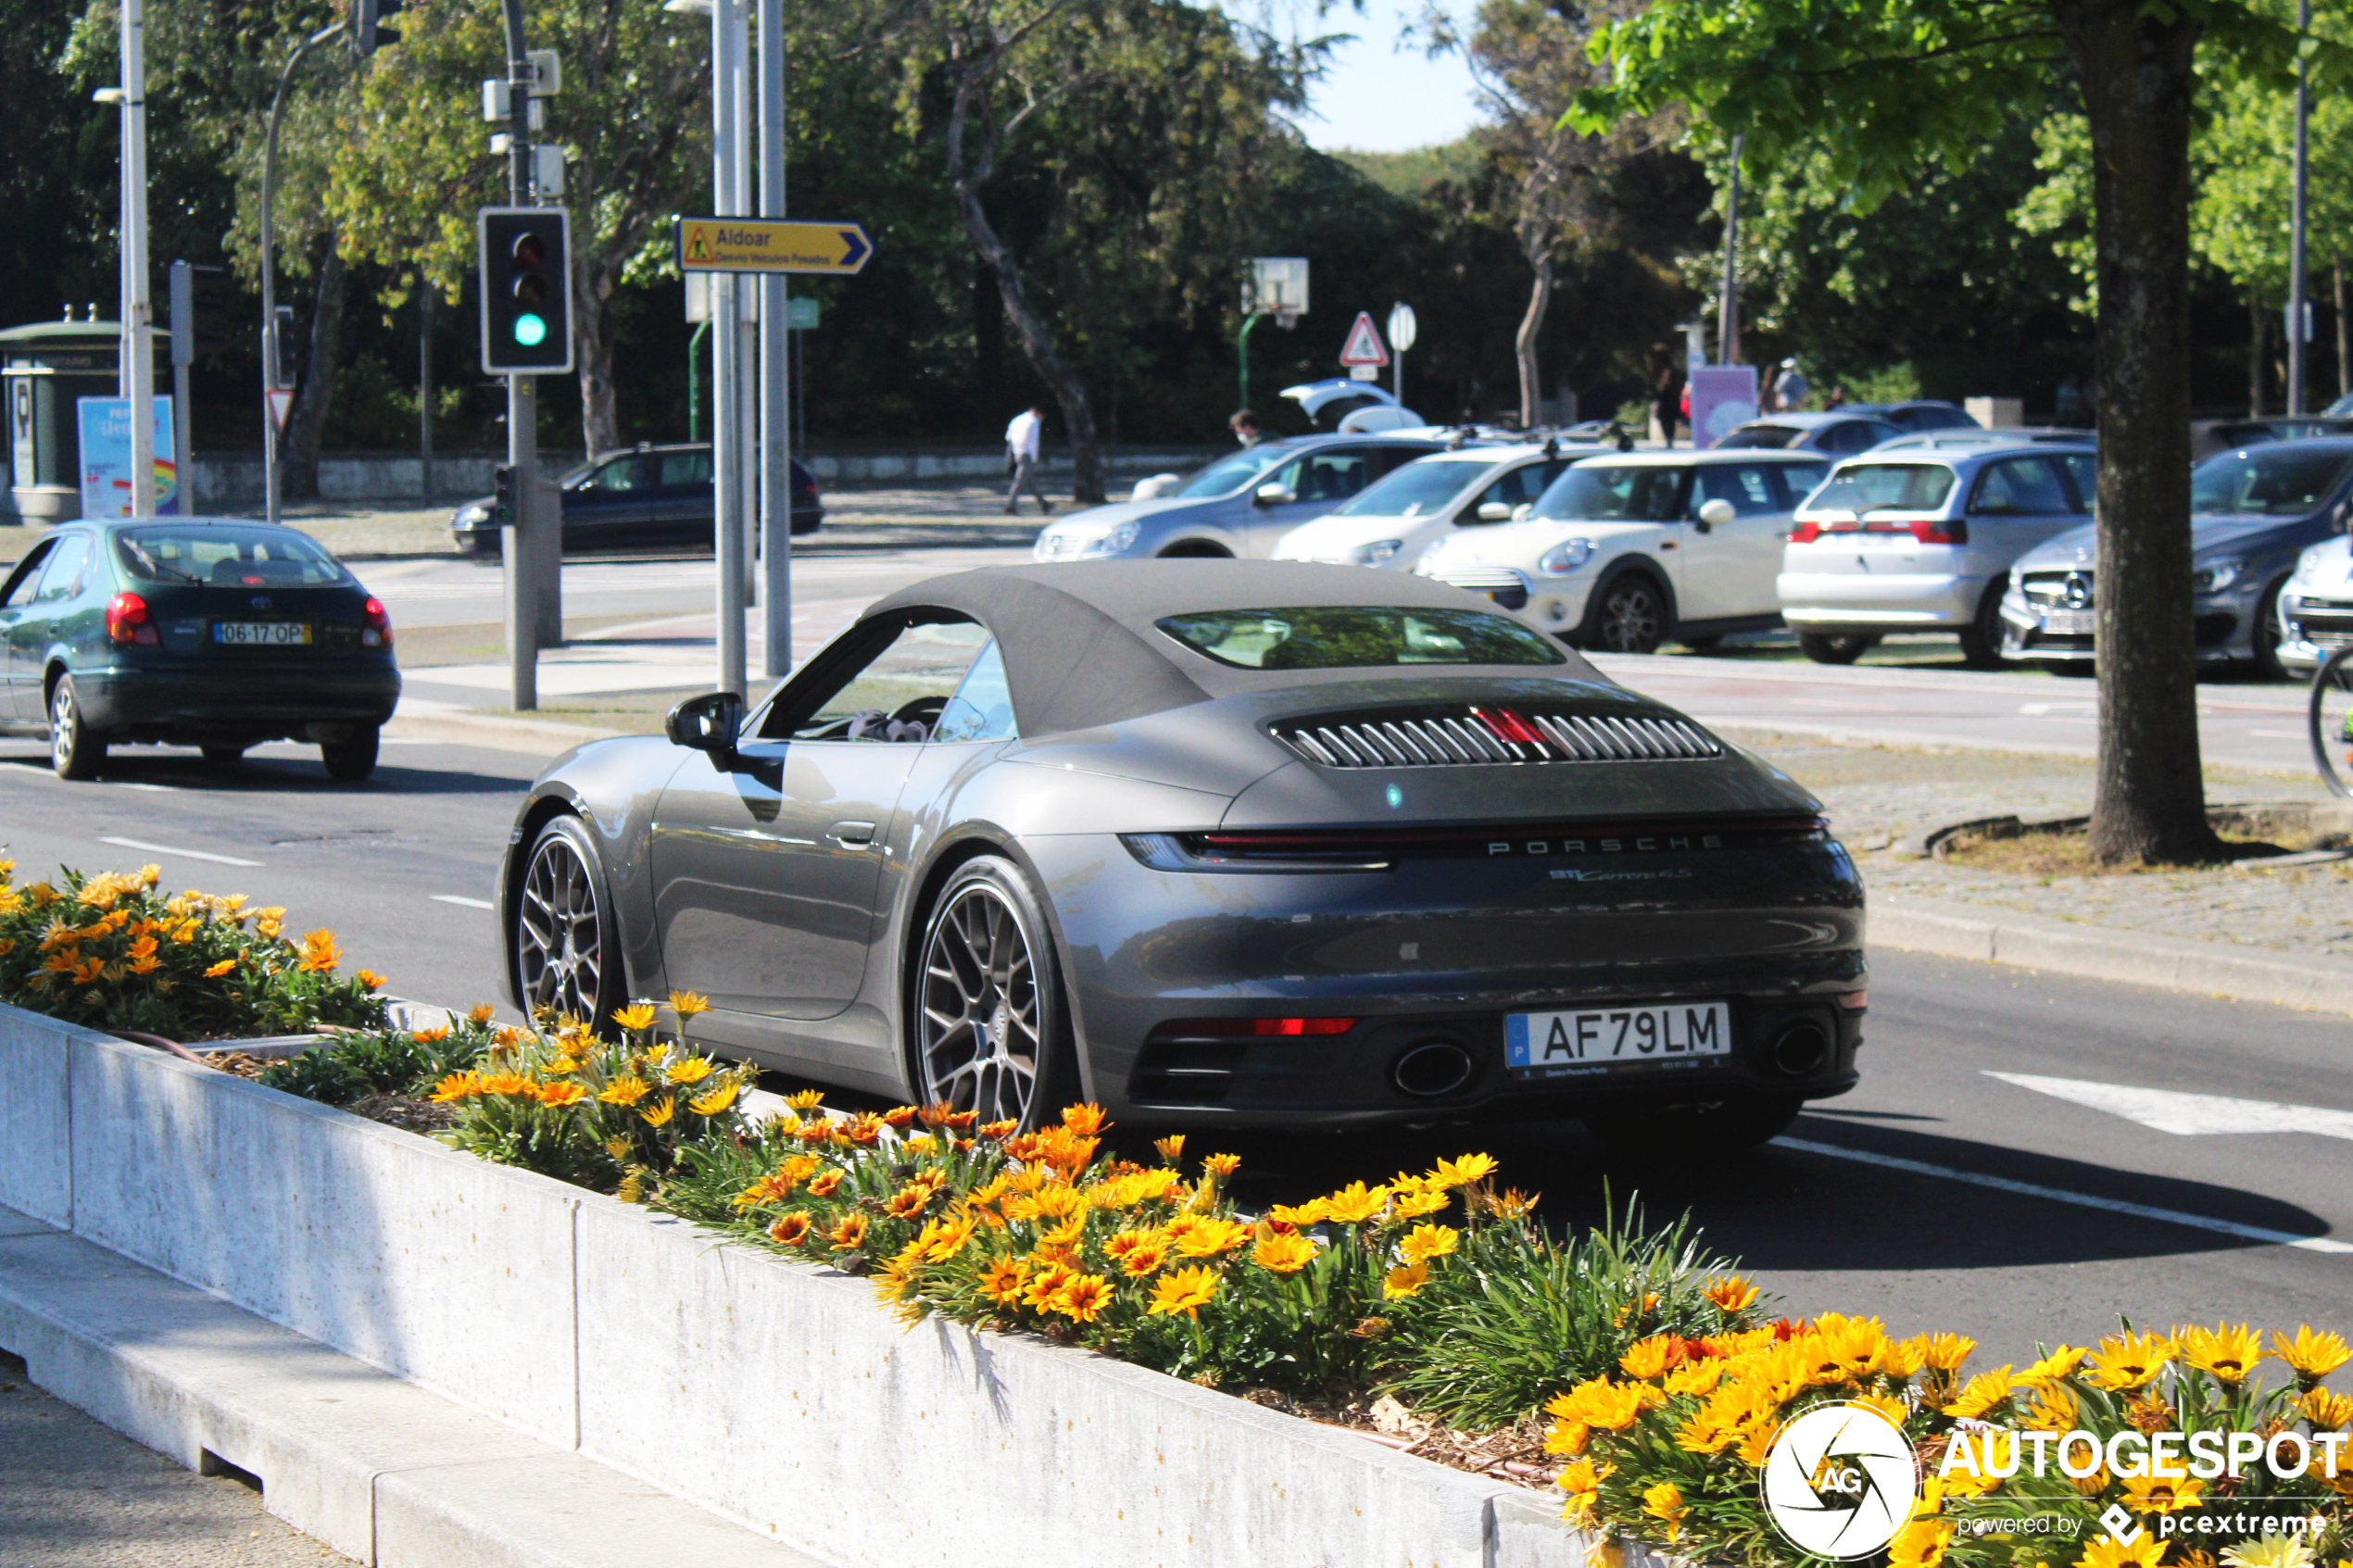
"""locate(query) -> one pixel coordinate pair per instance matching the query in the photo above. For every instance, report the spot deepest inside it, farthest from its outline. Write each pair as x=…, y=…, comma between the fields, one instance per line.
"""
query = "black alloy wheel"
x=2264, y=637
x=1835, y=647
x=1698, y=1132
x=1981, y=638
x=561, y=939
x=353, y=759
x=991, y=1029
x=1633, y=616
x=75, y=752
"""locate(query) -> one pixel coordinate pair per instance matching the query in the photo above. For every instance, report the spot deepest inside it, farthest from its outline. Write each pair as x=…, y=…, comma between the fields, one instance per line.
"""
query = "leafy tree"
x=1882, y=86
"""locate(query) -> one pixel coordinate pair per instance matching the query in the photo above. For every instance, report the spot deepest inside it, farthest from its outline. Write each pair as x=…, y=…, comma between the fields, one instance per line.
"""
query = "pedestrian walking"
x=1245, y=428
x=1021, y=459
x=1790, y=388
x=1835, y=401
x=1668, y=405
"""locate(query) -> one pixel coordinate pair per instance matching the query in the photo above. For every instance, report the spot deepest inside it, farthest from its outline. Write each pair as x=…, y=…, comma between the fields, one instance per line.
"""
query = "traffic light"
x=199, y=312
x=505, y=497
x=368, y=32
x=526, y=290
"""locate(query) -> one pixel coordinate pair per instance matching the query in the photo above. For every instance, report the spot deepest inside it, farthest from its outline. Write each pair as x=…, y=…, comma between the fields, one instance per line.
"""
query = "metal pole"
x=138, y=308
x=1727, y=304
x=184, y=332
x=523, y=407
x=270, y=488
x=694, y=376
x=727, y=426
x=425, y=388
x=1241, y=346
x=775, y=371
x=2296, y=353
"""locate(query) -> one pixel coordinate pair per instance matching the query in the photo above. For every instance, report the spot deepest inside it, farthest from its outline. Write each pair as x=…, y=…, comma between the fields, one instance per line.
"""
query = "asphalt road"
x=391, y=866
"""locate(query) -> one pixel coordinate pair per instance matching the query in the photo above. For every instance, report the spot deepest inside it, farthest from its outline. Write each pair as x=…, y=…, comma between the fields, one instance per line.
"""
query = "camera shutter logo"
x=1840, y=1481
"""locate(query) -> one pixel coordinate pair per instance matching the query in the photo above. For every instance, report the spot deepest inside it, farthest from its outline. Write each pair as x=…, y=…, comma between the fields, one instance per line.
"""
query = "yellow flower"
x=457, y=1086
x=1002, y=1282
x=2059, y=1364
x=1415, y=1205
x=1144, y=1258
x=1730, y=1293
x=691, y=1070
x=1582, y=1482
x=1398, y=1284
x=716, y=1101
x=637, y=1016
x=2326, y=1410
x=2311, y=1356
x=2162, y=1493
x=1427, y=1242
x=1462, y=1172
x=1186, y=1291
x=1981, y=1393
x=1652, y=1358
x=806, y=1099
x=1212, y=1236
x=1172, y=1147
x=2146, y=1551
x=686, y=1004
x=224, y=967
x=791, y=1229
x=2228, y=1353
x=826, y=1183
x=2272, y=1551
x=1663, y=1502
x=1082, y=1297
x=368, y=978
x=1920, y=1544
x=561, y=1095
x=1513, y=1204
x=1355, y=1203
x=1222, y=1164
x=850, y=1233
x=1599, y=1402
x=2125, y=1362
x=1300, y=1215
x=659, y=1114
x=625, y=1091
x=1283, y=1254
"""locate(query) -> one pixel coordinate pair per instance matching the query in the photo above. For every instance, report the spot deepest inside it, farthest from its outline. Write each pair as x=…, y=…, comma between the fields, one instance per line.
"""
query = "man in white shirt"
x=1021, y=453
x=1790, y=391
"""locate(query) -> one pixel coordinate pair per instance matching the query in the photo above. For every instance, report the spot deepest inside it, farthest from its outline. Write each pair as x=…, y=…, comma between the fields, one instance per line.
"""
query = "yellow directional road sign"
x=768, y=245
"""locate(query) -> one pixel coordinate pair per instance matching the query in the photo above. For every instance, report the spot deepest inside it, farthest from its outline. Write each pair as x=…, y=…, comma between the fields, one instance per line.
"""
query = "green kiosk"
x=44, y=367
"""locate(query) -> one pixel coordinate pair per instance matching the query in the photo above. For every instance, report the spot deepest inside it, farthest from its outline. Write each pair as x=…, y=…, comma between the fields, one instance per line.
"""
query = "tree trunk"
x=2344, y=350
x=308, y=417
x=593, y=334
x=988, y=344
x=1532, y=326
x=2133, y=65
x=2255, y=344
x=1037, y=340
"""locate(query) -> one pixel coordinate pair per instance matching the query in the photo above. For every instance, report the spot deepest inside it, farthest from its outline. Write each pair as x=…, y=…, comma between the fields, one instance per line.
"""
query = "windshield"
x=1229, y=472
x=1355, y=636
x=2273, y=481
x=1772, y=437
x=236, y=557
x=1415, y=490
x=1870, y=488
x=1637, y=493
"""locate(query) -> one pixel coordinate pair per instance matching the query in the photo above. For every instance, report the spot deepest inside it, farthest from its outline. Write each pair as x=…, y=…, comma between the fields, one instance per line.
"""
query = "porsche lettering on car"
x=1260, y=844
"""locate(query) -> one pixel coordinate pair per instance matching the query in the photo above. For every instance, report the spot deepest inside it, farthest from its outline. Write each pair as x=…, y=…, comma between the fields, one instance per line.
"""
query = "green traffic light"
x=531, y=330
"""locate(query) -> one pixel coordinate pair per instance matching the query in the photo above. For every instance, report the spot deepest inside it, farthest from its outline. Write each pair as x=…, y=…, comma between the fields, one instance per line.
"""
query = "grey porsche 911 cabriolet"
x=1252, y=843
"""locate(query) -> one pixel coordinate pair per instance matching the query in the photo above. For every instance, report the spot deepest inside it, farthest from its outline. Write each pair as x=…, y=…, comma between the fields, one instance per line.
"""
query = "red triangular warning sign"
x=1364, y=346
x=281, y=402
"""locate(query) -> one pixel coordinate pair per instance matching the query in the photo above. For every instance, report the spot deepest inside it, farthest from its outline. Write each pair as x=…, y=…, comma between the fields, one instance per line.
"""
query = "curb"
x=2174, y=963
x=379, y=1468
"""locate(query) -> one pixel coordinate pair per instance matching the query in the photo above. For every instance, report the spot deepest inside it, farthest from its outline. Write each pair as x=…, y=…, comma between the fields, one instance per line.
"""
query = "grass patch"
x=2066, y=852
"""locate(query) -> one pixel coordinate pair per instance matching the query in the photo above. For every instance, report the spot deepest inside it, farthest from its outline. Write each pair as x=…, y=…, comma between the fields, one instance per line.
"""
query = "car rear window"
x=229, y=558
x=1867, y=487
x=1358, y=636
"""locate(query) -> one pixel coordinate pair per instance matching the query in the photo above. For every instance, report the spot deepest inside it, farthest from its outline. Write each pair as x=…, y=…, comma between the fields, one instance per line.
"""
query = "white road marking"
x=2081, y=1200
x=2169, y=1110
x=461, y=901
x=2281, y=734
x=175, y=849
x=2058, y=710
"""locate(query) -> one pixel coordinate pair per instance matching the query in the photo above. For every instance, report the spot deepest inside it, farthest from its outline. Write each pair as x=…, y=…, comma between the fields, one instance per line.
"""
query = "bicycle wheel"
x=2332, y=720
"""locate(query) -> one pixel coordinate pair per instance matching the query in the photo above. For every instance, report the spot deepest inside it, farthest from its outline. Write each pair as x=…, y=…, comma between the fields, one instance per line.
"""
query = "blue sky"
x=1381, y=94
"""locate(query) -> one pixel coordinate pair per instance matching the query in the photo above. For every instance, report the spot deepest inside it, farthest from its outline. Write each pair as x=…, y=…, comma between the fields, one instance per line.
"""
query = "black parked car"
x=217, y=633
x=654, y=497
x=1257, y=843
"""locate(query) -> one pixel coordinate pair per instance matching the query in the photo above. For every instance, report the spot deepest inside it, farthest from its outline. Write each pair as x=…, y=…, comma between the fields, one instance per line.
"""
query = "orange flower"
x=370, y=979
x=1186, y=1291
x=909, y=1200
x=850, y=1233
x=1005, y=1280
x=319, y=954
x=216, y=972
x=1283, y=1254
x=791, y=1229
x=898, y=1118
x=1081, y=1297
x=1084, y=1120
x=1731, y=1293
x=825, y=1184
x=561, y=1094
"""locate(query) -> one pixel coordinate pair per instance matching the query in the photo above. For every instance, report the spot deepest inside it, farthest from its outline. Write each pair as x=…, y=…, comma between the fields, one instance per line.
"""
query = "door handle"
x=851, y=835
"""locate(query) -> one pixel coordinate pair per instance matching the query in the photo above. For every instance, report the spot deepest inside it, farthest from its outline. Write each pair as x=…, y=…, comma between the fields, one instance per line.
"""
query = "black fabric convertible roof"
x=1081, y=648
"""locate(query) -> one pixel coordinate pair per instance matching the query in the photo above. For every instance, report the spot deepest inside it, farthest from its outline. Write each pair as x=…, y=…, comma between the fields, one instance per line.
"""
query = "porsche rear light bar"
x=1482, y=732
x=1250, y=1028
x=1377, y=849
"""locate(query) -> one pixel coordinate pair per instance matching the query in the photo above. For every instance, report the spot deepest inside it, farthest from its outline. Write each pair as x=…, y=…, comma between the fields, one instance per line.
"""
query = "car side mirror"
x=1275, y=495
x=1521, y=512
x=1716, y=514
x=1494, y=512
x=708, y=722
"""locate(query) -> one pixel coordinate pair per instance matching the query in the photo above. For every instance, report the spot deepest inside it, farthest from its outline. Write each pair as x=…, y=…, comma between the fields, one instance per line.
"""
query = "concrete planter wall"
x=774, y=1393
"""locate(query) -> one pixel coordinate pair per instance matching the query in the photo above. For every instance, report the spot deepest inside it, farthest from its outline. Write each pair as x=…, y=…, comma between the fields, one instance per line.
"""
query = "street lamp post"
x=2297, y=355
x=775, y=425
x=138, y=351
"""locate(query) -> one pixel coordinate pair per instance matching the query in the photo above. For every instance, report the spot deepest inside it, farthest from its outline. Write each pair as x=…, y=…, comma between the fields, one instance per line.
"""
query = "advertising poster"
x=1722, y=396
x=106, y=457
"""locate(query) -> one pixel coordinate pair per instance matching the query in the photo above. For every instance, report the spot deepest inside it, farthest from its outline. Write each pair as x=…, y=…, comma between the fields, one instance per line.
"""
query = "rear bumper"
x=1821, y=601
x=251, y=703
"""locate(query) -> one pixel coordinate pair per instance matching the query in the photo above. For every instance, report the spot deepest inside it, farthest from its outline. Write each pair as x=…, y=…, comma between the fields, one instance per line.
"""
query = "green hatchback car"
x=217, y=633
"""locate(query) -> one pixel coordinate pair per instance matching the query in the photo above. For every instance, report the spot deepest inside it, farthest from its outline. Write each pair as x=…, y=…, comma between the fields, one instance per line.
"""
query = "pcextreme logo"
x=1840, y=1481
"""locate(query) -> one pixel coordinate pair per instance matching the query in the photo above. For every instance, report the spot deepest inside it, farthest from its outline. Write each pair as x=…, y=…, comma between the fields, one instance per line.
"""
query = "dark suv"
x=652, y=497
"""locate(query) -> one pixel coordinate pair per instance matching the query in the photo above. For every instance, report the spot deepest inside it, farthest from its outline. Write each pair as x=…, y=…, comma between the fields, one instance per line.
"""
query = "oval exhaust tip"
x=1801, y=1048
x=1432, y=1068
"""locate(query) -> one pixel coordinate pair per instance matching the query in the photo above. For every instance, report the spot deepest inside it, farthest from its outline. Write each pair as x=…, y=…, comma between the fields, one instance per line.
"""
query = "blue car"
x=1241, y=505
x=650, y=498
x=2252, y=512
